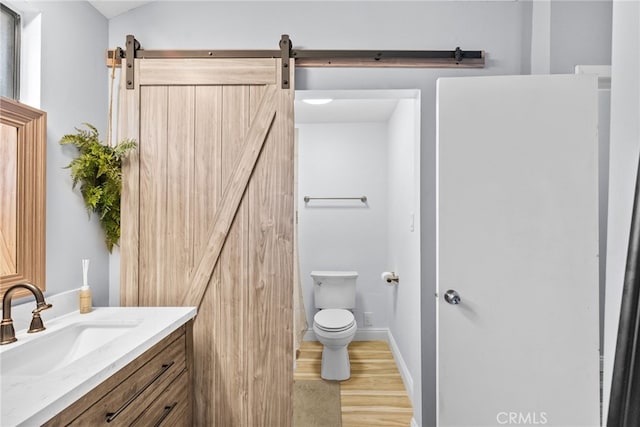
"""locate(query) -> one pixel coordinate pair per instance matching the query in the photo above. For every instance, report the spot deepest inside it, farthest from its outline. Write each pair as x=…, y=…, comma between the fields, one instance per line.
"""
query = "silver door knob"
x=452, y=297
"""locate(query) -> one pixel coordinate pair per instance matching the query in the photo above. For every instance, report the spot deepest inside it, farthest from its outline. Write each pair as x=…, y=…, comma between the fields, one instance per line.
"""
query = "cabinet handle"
x=165, y=414
x=112, y=415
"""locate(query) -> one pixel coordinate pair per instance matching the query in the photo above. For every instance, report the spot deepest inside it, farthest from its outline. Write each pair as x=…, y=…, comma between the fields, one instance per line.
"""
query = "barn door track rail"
x=457, y=58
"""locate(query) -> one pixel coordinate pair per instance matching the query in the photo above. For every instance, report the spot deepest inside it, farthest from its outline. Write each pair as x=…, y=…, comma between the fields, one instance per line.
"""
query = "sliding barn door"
x=207, y=221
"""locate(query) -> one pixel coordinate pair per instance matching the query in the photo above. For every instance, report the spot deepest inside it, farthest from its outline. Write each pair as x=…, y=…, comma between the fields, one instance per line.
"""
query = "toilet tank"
x=334, y=289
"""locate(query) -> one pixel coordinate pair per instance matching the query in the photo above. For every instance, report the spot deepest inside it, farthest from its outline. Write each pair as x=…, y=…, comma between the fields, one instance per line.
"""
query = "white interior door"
x=518, y=241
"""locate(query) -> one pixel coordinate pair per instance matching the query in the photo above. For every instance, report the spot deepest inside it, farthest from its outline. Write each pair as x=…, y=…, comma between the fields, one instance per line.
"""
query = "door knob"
x=452, y=297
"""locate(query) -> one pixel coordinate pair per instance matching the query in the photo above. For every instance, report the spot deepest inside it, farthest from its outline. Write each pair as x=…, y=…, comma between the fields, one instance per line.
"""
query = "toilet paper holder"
x=390, y=277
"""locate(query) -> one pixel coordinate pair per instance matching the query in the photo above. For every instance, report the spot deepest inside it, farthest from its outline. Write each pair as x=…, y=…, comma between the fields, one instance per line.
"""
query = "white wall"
x=625, y=147
x=403, y=234
x=72, y=90
x=495, y=26
x=344, y=160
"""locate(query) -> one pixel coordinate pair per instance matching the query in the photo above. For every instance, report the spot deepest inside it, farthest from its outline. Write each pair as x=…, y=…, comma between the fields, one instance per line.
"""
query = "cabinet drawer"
x=123, y=404
x=171, y=408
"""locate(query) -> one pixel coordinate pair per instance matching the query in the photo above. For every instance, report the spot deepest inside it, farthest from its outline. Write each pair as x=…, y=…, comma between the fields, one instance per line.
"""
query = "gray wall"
x=580, y=34
x=493, y=26
x=502, y=29
x=73, y=90
x=564, y=33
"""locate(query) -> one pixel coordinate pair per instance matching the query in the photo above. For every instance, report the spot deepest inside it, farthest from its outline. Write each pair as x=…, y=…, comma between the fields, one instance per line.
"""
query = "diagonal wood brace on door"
x=223, y=219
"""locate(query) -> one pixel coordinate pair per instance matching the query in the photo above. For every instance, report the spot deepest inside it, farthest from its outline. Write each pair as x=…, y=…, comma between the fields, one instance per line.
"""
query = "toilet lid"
x=334, y=319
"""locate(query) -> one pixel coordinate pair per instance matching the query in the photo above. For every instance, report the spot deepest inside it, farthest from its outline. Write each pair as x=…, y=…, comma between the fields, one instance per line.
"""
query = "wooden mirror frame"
x=31, y=125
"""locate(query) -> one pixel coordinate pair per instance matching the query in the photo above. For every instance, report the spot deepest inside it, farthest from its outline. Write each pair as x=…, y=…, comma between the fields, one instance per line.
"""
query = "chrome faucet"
x=7, y=333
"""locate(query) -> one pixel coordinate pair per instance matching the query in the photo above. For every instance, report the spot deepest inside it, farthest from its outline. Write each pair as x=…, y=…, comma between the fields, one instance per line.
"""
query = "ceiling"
x=346, y=111
x=112, y=9
x=349, y=106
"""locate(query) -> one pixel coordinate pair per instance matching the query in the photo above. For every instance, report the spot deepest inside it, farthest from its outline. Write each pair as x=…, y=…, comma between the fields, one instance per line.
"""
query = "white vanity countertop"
x=33, y=400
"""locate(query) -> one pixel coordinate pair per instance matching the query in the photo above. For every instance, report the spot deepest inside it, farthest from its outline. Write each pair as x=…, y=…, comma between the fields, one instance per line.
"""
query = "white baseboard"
x=402, y=366
x=368, y=334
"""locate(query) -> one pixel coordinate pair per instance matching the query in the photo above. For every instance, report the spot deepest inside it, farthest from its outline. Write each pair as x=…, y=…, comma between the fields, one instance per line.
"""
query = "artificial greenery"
x=98, y=169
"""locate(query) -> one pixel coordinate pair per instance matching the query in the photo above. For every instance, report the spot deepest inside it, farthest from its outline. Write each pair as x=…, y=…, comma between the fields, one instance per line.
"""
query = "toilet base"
x=335, y=363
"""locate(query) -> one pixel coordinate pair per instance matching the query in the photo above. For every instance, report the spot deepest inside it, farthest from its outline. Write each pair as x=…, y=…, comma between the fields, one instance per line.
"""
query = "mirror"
x=22, y=195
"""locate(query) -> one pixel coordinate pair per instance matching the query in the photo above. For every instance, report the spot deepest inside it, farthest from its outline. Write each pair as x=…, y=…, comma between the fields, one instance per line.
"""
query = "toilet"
x=334, y=325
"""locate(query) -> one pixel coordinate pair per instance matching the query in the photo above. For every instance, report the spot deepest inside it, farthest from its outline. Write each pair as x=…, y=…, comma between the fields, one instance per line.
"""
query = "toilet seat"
x=334, y=320
x=335, y=329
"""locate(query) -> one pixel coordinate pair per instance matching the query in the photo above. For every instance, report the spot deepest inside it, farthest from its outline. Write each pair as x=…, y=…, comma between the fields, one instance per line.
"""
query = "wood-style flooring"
x=374, y=395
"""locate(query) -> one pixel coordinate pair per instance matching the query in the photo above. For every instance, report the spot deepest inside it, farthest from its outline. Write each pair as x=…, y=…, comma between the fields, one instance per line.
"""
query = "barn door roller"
x=457, y=58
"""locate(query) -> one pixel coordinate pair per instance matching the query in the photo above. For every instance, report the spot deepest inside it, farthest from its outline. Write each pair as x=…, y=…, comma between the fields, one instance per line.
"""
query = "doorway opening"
x=358, y=209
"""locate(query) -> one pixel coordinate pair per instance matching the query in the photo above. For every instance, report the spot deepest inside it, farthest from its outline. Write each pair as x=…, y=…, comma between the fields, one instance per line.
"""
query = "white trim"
x=358, y=94
x=402, y=367
x=414, y=423
x=437, y=255
x=365, y=334
x=541, y=37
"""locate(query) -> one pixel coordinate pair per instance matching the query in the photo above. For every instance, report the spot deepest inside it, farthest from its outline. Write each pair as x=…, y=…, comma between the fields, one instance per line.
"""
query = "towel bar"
x=363, y=199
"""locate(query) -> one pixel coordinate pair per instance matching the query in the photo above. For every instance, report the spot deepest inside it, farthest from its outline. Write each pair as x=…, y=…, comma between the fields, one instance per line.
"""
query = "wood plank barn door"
x=207, y=221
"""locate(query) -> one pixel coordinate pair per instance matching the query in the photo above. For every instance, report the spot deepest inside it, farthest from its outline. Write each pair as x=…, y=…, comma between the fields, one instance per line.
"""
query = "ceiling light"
x=317, y=101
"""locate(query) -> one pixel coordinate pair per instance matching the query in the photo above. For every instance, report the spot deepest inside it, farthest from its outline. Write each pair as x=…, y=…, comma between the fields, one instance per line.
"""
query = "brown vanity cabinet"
x=152, y=390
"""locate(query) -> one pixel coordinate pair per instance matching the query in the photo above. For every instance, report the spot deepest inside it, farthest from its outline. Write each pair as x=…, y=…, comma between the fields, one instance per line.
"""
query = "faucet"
x=7, y=332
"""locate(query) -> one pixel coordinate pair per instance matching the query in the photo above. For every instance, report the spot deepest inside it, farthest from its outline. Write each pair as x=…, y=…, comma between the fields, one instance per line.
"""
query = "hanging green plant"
x=98, y=170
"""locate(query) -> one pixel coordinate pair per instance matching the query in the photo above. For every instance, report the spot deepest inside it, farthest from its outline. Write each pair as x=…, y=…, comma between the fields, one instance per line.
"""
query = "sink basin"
x=54, y=368
x=56, y=349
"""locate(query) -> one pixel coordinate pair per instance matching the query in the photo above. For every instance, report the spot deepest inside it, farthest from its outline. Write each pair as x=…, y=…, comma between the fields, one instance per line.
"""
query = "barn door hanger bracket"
x=285, y=54
x=132, y=48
